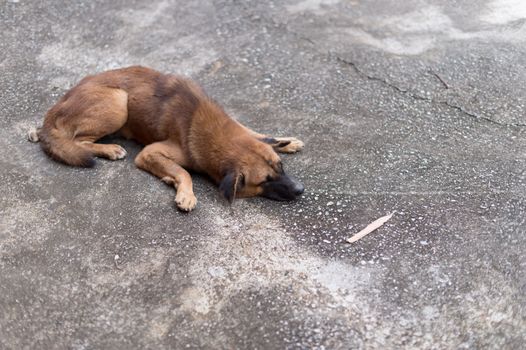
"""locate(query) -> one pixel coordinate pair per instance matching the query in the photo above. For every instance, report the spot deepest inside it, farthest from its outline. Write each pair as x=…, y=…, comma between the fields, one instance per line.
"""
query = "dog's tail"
x=60, y=146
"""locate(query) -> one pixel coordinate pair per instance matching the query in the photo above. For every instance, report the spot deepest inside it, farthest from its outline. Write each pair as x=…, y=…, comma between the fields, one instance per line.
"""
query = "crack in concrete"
x=330, y=54
x=420, y=97
x=373, y=78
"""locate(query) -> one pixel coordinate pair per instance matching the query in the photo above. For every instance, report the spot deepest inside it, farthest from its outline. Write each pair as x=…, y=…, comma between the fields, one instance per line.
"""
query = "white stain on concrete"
x=504, y=11
x=311, y=5
x=416, y=32
x=337, y=276
x=144, y=18
x=255, y=253
x=410, y=33
x=259, y=255
x=184, y=55
x=397, y=45
x=195, y=301
x=23, y=226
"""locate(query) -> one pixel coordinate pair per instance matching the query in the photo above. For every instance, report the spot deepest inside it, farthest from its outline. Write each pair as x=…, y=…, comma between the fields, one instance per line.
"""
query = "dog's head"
x=257, y=170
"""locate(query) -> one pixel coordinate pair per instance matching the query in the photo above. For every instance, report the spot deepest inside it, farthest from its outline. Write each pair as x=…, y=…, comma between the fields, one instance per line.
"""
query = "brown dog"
x=179, y=124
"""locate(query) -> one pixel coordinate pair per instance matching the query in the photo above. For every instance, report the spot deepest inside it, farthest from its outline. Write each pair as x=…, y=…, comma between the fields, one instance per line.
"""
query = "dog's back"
x=138, y=102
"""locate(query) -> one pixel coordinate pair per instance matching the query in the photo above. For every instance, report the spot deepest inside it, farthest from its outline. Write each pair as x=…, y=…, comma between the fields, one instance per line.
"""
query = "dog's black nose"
x=298, y=189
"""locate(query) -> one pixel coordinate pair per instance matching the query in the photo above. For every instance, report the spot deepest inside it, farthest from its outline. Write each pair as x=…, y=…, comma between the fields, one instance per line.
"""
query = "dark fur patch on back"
x=168, y=87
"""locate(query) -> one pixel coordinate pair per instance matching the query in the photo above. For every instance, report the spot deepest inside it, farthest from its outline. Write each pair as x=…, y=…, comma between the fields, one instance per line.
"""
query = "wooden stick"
x=370, y=228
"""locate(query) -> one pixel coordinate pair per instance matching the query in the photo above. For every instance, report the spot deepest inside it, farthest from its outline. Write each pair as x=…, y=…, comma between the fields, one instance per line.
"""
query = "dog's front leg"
x=164, y=160
x=280, y=144
x=284, y=144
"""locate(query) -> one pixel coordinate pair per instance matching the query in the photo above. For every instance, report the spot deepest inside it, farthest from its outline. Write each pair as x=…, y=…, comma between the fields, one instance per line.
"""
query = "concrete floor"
x=414, y=106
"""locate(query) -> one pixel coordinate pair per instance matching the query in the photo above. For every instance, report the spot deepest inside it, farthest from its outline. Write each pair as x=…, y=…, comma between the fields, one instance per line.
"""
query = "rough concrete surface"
x=414, y=106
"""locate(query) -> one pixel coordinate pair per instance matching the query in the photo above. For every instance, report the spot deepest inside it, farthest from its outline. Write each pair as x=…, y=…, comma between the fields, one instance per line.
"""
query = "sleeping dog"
x=181, y=127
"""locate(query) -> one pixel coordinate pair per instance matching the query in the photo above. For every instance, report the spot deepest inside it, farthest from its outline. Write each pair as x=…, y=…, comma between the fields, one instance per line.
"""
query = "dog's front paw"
x=115, y=152
x=185, y=201
x=289, y=145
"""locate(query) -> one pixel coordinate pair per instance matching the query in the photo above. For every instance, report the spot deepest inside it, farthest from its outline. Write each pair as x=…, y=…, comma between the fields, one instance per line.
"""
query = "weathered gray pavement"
x=411, y=106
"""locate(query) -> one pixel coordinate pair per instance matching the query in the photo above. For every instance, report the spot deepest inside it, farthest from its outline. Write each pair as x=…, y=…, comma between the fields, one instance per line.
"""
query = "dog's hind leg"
x=164, y=160
x=84, y=115
x=103, y=118
x=109, y=151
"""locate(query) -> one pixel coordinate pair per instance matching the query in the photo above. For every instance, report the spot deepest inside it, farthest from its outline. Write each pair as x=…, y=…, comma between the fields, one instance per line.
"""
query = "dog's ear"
x=231, y=183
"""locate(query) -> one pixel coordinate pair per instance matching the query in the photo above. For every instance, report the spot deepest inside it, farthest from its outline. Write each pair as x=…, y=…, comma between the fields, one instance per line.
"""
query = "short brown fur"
x=181, y=127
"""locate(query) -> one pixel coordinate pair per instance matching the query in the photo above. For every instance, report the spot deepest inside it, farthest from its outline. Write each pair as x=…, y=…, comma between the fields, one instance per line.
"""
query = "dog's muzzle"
x=283, y=188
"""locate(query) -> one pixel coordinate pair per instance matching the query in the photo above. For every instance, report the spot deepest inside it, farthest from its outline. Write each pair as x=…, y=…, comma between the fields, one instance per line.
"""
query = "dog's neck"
x=223, y=136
